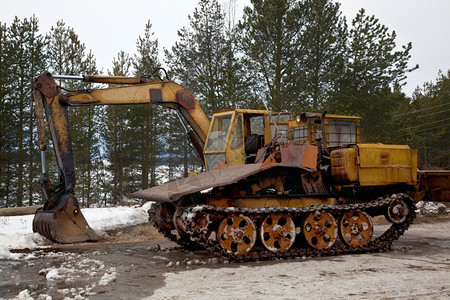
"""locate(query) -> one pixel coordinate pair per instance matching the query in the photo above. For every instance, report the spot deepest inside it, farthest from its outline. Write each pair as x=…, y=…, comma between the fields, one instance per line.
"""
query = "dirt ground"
x=138, y=263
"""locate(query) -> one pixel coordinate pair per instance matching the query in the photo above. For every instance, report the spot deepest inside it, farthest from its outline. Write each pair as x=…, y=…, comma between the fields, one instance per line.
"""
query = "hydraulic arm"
x=61, y=219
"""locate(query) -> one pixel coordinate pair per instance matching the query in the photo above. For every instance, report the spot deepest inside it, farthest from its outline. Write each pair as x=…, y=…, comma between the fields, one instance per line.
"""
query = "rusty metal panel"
x=174, y=190
x=46, y=85
x=299, y=155
x=40, y=119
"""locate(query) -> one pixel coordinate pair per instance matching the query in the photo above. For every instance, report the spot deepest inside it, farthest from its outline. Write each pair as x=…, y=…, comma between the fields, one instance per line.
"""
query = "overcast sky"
x=108, y=26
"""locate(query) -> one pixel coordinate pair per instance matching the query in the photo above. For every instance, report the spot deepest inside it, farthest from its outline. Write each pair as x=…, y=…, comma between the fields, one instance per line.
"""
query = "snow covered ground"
x=417, y=268
x=16, y=231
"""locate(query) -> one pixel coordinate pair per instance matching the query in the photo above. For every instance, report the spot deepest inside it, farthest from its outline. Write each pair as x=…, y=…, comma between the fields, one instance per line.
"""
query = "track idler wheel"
x=164, y=213
x=237, y=234
x=183, y=221
x=277, y=232
x=356, y=228
x=320, y=230
x=397, y=211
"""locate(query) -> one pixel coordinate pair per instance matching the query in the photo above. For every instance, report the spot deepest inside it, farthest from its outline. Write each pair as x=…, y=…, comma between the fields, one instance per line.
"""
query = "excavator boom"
x=60, y=219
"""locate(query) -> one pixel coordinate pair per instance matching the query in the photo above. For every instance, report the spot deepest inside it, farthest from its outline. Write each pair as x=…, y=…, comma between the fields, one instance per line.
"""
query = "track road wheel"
x=356, y=228
x=277, y=232
x=237, y=234
x=320, y=230
x=397, y=211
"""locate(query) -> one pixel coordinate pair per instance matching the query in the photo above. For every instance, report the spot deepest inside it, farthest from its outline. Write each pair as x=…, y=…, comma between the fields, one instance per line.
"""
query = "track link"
x=184, y=243
x=374, y=208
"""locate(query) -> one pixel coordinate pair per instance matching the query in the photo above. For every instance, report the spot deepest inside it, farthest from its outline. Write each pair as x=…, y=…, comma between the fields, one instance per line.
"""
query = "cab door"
x=218, y=136
x=225, y=143
x=235, y=152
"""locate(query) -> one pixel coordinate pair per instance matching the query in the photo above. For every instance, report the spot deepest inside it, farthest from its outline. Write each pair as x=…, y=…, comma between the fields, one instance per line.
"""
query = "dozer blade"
x=65, y=223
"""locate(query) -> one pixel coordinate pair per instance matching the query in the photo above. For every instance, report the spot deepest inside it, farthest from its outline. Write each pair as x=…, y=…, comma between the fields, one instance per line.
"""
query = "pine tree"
x=116, y=136
x=322, y=59
x=425, y=123
x=205, y=61
x=198, y=59
x=5, y=120
x=374, y=62
x=234, y=88
x=271, y=42
x=25, y=57
x=66, y=52
x=373, y=70
x=145, y=123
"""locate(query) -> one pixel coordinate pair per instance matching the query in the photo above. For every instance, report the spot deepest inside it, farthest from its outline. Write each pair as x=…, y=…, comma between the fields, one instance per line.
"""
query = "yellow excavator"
x=275, y=185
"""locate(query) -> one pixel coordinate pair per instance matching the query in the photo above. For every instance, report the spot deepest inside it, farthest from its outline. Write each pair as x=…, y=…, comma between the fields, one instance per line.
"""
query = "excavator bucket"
x=64, y=223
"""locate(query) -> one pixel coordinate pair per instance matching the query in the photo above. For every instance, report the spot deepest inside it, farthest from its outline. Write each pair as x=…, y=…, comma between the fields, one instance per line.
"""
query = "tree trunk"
x=145, y=149
x=20, y=152
x=30, y=156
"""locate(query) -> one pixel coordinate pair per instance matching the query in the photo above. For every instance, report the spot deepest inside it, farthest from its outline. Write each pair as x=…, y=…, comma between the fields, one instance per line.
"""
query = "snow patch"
x=433, y=208
x=16, y=231
x=108, y=277
x=52, y=275
x=24, y=295
x=72, y=271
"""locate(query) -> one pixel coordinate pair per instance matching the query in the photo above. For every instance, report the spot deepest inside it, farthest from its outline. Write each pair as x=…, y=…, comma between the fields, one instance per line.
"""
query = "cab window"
x=218, y=134
x=279, y=127
x=341, y=132
x=298, y=133
x=238, y=136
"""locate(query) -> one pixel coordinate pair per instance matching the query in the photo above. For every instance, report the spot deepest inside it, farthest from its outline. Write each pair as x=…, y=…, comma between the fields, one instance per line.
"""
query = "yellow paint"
x=234, y=149
x=375, y=164
x=140, y=94
x=380, y=164
x=344, y=165
x=234, y=141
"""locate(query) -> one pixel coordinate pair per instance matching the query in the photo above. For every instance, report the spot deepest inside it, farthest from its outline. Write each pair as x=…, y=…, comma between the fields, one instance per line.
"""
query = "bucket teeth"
x=65, y=223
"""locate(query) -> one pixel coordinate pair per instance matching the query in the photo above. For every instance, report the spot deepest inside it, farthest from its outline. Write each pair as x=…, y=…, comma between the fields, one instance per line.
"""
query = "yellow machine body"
x=375, y=165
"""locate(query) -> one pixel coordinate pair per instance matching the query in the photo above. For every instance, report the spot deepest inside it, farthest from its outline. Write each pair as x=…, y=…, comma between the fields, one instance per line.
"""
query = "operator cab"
x=339, y=130
x=235, y=136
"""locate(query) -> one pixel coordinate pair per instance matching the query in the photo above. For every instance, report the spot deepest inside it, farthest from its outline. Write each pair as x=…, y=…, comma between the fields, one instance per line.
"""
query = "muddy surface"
x=137, y=262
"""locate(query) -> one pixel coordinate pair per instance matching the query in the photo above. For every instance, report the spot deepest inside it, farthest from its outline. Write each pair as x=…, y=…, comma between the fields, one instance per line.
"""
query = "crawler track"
x=202, y=236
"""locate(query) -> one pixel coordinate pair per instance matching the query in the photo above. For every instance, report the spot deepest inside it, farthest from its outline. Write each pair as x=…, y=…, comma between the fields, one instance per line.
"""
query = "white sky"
x=108, y=26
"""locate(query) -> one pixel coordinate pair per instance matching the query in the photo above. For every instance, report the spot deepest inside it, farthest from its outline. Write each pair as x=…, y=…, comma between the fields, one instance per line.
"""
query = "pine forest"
x=295, y=55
